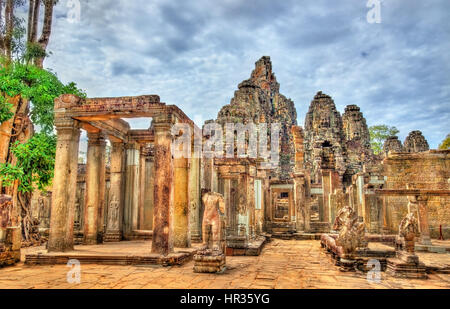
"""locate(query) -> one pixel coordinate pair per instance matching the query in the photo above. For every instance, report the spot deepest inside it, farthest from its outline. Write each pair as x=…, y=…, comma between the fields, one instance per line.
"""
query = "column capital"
x=66, y=123
x=132, y=145
x=96, y=136
x=163, y=122
x=148, y=150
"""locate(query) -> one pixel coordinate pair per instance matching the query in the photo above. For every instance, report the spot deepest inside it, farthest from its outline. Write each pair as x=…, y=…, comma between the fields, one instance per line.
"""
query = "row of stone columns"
x=173, y=180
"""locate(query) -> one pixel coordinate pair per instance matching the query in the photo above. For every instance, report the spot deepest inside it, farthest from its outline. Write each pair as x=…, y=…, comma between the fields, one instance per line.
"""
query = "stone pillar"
x=131, y=211
x=142, y=185
x=182, y=233
x=195, y=199
x=64, y=184
x=163, y=189
x=326, y=187
x=95, y=189
x=360, y=197
x=424, y=226
x=114, y=226
x=146, y=190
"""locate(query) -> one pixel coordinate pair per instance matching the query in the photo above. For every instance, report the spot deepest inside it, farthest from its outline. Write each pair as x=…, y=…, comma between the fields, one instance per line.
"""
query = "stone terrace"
x=283, y=264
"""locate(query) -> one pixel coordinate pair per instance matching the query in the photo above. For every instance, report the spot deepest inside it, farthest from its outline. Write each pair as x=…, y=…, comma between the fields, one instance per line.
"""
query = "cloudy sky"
x=194, y=54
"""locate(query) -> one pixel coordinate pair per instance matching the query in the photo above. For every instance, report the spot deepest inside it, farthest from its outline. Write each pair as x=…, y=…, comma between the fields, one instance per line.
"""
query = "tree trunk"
x=33, y=19
x=46, y=30
x=9, y=28
x=2, y=42
x=18, y=129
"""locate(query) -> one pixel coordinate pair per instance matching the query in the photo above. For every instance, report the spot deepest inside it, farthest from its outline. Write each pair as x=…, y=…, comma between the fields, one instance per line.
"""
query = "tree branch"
x=2, y=47
x=33, y=24
x=9, y=28
x=47, y=29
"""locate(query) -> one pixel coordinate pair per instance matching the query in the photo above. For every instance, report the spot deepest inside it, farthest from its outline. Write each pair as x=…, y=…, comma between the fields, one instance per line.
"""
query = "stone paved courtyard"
x=283, y=264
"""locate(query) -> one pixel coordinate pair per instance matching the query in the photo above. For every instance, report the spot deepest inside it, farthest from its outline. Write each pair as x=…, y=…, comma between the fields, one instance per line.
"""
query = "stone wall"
x=425, y=170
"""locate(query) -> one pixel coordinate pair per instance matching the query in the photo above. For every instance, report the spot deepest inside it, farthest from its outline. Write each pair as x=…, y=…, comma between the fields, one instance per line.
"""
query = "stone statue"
x=5, y=211
x=342, y=215
x=213, y=225
x=113, y=220
x=351, y=233
x=407, y=232
x=212, y=258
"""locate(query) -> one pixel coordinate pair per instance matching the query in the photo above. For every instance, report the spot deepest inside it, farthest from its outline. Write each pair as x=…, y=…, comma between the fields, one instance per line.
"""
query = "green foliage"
x=378, y=134
x=39, y=86
x=35, y=163
x=445, y=143
x=5, y=110
x=34, y=51
x=36, y=157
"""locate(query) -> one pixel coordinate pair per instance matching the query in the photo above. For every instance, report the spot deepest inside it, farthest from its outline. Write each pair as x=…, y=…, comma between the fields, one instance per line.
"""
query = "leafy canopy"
x=39, y=86
x=378, y=134
x=36, y=157
x=445, y=143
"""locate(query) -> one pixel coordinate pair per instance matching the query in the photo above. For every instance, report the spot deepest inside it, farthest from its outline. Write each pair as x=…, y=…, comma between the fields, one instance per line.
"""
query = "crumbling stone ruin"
x=392, y=144
x=415, y=142
x=10, y=233
x=325, y=145
x=327, y=175
x=258, y=100
x=406, y=264
x=357, y=139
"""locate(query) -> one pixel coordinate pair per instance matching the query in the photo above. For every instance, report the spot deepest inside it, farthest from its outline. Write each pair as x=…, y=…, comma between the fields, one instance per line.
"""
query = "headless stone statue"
x=212, y=258
x=213, y=225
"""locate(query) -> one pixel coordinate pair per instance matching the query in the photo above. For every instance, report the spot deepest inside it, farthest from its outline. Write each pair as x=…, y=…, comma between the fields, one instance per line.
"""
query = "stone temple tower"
x=357, y=138
x=324, y=134
x=258, y=100
x=415, y=142
x=392, y=144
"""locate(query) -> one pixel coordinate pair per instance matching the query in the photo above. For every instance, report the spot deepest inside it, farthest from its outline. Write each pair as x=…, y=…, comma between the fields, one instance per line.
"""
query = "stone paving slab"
x=110, y=253
x=287, y=264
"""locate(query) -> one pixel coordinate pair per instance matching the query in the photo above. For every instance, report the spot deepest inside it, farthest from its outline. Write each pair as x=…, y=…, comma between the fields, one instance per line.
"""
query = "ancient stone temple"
x=327, y=184
x=260, y=199
x=357, y=139
x=148, y=192
x=324, y=138
x=415, y=142
x=258, y=100
x=392, y=144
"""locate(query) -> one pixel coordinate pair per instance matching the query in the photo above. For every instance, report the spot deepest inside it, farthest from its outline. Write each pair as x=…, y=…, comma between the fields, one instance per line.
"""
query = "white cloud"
x=194, y=54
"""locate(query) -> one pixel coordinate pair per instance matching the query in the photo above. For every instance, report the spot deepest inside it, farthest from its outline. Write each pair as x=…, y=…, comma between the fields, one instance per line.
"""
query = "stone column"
x=114, y=226
x=142, y=186
x=194, y=197
x=131, y=211
x=95, y=189
x=326, y=187
x=182, y=233
x=163, y=189
x=146, y=190
x=64, y=184
x=424, y=226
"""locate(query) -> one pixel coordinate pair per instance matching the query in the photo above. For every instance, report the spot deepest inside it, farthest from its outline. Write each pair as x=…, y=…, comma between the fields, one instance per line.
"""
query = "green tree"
x=29, y=157
x=445, y=143
x=378, y=134
x=27, y=93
